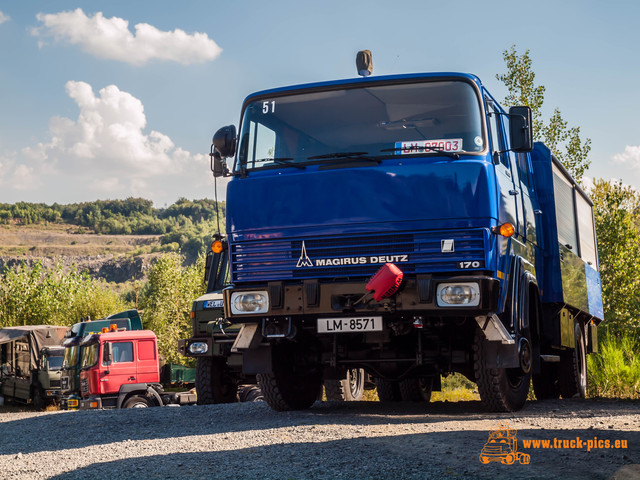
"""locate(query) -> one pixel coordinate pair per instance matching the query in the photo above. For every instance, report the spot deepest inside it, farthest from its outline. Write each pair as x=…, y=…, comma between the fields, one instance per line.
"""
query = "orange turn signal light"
x=217, y=247
x=506, y=229
x=192, y=315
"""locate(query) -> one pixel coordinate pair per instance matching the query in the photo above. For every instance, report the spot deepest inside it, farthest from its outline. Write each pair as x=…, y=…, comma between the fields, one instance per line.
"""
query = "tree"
x=617, y=216
x=167, y=298
x=564, y=141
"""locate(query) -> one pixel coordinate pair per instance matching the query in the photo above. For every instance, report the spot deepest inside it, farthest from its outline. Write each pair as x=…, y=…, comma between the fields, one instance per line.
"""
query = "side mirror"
x=224, y=141
x=520, y=129
x=106, y=354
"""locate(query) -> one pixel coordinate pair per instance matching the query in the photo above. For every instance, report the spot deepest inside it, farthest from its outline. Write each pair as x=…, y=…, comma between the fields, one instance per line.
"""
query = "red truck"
x=121, y=370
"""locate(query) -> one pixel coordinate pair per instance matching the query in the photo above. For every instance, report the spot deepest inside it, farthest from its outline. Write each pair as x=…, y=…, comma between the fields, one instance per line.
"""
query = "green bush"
x=34, y=296
x=614, y=371
x=166, y=300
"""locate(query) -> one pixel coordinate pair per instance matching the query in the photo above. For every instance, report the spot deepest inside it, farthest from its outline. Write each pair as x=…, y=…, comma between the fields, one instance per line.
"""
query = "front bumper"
x=417, y=296
x=91, y=403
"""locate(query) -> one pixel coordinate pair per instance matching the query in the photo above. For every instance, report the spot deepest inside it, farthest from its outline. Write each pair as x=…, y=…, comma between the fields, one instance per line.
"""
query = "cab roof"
x=367, y=81
x=119, y=336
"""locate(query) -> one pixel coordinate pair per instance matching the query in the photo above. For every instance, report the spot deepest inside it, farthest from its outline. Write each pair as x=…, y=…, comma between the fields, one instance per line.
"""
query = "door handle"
x=132, y=378
x=513, y=192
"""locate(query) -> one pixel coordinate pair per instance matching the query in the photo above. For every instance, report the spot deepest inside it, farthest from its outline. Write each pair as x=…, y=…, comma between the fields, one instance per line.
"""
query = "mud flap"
x=257, y=361
x=500, y=355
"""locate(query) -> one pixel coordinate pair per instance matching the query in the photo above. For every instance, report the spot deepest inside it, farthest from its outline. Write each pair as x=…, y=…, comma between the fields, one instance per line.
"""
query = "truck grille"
x=416, y=252
x=84, y=386
x=54, y=383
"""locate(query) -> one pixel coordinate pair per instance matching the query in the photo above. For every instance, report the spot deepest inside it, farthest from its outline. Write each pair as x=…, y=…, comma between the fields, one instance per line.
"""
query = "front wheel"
x=136, y=401
x=501, y=389
x=214, y=383
x=296, y=377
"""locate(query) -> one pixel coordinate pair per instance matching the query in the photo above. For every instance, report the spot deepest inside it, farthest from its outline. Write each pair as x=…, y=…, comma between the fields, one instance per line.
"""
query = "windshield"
x=89, y=355
x=70, y=357
x=361, y=123
x=55, y=362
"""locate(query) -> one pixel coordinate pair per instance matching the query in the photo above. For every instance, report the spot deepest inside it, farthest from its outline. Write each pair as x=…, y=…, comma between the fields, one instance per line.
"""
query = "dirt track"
x=331, y=440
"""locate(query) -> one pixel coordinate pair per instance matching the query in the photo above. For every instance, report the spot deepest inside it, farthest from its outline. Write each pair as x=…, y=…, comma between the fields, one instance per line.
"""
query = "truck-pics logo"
x=502, y=446
x=305, y=261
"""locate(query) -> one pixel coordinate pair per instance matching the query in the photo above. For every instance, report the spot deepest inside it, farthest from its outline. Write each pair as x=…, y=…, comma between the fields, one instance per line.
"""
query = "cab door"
x=122, y=369
x=509, y=205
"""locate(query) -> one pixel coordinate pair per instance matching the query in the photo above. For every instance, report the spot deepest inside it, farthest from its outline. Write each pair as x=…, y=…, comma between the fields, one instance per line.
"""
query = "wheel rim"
x=355, y=381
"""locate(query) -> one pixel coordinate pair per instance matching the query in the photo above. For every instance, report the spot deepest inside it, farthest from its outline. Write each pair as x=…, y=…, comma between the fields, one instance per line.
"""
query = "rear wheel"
x=296, y=379
x=573, y=367
x=388, y=391
x=136, y=401
x=546, y=383
x=350, y=389
x=214, y=383
x=416, y=389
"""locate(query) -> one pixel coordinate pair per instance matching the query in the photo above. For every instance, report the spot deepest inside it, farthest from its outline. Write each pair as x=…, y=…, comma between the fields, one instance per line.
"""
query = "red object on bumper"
x=385, y=282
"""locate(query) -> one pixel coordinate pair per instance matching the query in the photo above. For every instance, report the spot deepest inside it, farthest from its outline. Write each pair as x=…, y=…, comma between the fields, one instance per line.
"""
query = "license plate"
x=349, y=324
x=214, y=304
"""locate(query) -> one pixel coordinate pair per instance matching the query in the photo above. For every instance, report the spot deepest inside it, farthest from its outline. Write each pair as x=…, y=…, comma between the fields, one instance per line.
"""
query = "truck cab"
x=30, y=360
x=70, y=378
x=426, y=181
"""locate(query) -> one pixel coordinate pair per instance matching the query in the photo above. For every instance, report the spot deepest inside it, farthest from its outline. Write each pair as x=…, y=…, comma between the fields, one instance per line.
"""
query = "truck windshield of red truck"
x=361, y=123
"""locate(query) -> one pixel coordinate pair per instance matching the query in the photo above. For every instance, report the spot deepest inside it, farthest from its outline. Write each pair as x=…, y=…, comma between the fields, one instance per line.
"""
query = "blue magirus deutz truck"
x=406, y=225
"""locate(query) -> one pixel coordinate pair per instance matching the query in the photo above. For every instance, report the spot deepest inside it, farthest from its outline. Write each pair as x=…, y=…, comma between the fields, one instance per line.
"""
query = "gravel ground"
x=332, y=440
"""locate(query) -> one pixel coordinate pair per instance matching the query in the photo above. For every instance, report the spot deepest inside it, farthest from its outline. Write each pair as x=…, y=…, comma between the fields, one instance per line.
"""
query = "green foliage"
x=617, y=217
x=615, y=370
x=167, y=299
x=188, y=224
x=564, y=142
x=34, y=296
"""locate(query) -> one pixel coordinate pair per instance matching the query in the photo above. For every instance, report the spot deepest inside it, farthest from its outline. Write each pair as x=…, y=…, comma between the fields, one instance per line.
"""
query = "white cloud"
x=111, y=38
x=4, y=18
x=630, y=156
x=105, y=153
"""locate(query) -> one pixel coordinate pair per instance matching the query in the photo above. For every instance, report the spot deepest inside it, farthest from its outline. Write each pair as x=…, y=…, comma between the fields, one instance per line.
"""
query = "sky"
x=106, y=100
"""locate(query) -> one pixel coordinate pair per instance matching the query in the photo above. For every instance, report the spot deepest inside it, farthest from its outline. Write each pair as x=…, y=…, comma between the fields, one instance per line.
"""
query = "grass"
x=614, y=372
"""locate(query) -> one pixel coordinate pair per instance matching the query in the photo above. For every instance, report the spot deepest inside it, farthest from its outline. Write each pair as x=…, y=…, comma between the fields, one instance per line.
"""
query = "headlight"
x=198, y=347
x=458, y=294
x=249, y=302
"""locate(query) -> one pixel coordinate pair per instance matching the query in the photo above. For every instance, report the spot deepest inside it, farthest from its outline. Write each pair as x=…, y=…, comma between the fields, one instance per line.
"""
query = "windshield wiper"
x=346, y=156
x=286, y=161
x=453, y=155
